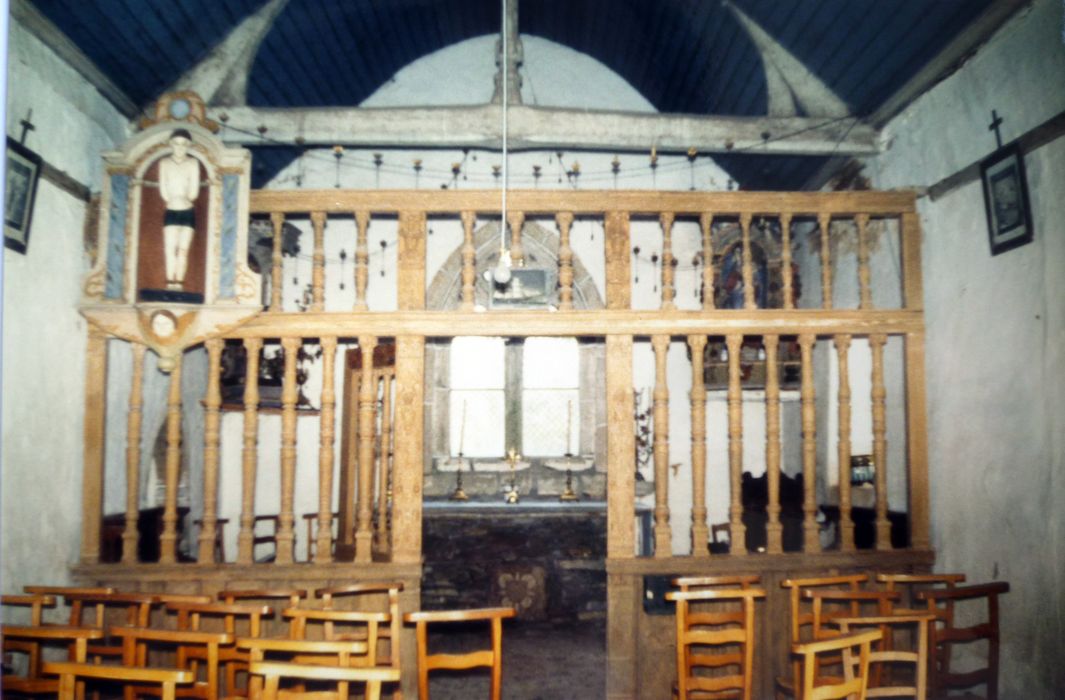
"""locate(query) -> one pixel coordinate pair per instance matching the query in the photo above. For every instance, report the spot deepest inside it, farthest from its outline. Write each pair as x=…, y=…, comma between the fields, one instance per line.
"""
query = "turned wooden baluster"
x=737, y=530
x=517, y=252
x=278, y=220
x=133, y=455
x=409, y=410
x=846, y=523
x=168, y=539
x=385, y=467
x=663, y=535
x=249, y=450
x=564, y=219
x=861, y=221
x=774, y=530
x=326, y=438
x=824, y=221
x=362, y=259
x=618, y=257
x=785, y=260
x=318, y=268
x=289, y=396
x=706, y=221
x=748, y=264
x=700, y=533
x=810, y=539
x=367, y=406
x=469, y=260
x=879, y=395
x=668, y=291
x=211, y=439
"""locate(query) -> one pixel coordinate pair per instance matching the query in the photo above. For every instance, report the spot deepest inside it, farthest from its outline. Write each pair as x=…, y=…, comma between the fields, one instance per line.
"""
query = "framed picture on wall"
x=22, y=168
x=1009, y=218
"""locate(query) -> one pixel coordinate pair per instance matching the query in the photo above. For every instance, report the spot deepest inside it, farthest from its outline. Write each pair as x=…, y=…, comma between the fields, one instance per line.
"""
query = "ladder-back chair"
x=234, y=620
x=309, y=653
x=891, y=657
x=855, y=670
x=70, y=672
x=137, y=642
x=273, y=673
x=28, y=640
x=491, y=657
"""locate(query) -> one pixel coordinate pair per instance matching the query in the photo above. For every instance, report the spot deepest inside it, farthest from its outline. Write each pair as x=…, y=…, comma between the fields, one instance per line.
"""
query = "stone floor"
x=541, y=661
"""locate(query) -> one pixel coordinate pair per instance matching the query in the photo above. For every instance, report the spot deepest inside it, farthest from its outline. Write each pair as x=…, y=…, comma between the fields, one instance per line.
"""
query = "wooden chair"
x=36, y=602
x=131, y=609
x=491, y=658
x=828, y=605
x=137, y=642
x=69, y=673
x=802, y=618
x=892, y=656
x=946, y=633
x=64, y=591
x=367, y=591
x=686, y=583
x=273, y=673
x=234, y=620
x=28, y=640
x=290, y=598
x=340, y=654
x=707, y=642
x=341, y=625
x=908, y=585
x=855, y=671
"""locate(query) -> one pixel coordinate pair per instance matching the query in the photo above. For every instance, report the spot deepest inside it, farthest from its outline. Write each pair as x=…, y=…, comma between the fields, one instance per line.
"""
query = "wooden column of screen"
x=785, y=260
x=748, y=266
x=408, y=456
x=916, y=408
x=133, y=455
x=93, y=434
x=168, y=538
x=564, y=219
x=660, y=407
x=774, y=530
x=469, y=260
x=516, y=219
x=276, y=268
x=249, y=451
x=824, y=221
x=846, y=522
x=706, y=222
x=700, y=533
x=211, y=444
x=810, y=539
x=737, y=530
x=362, y=258
x=326, y=439
x=381, y=537
x=318, y=262
x=285, y=536
x=865, y=296
x=879, y=396
x=668, y=291
x=367, y=435
x=349, y=450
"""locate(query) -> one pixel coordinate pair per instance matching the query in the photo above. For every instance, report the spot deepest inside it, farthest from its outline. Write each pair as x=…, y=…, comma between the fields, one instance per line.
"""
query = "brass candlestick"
x=512, y=495
x=458, y=494
x=569, y=496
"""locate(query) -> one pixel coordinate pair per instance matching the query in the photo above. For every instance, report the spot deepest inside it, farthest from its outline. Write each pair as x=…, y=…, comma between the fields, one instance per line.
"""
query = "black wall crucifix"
x=27, y=126
x=995, y=122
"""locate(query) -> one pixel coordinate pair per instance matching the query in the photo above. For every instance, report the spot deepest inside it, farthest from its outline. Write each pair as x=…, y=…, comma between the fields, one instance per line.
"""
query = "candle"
x=462, y=428
x=569, y=425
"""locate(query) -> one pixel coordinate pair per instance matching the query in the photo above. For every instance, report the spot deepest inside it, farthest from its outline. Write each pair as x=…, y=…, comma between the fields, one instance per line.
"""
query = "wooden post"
x=326, y=439
x=133, y=455
x=621, y=449
x=318, y=269
x=879, y=394
x=774, y=530
x=289, y=395
x=211, y=440
x=700, y=533
x=278, y=220
x=362, y=259
x=516, y=219
x=408, y=460
x=94, y=435
x=846, y=522
x=668, y=290
x=469, y=261
x=663, y=534
x=168, y=538
x=917, y=440
x=785, y=260
x=564, y=219
x=748, y=267
x=410, y=260
x=737, y=530
x=861, y=223
x=706, y=221
x=618, y=272
x=811, y=541
x=249, y=451
x=384, y=466
x=367, y=410
x=825, y=221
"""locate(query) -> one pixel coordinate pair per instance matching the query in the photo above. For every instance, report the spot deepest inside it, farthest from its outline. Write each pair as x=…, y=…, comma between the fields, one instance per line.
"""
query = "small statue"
x=179, y=186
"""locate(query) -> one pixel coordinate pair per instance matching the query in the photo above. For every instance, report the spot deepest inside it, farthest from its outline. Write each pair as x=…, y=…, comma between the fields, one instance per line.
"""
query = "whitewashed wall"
x=43, y=335
x=996, y=329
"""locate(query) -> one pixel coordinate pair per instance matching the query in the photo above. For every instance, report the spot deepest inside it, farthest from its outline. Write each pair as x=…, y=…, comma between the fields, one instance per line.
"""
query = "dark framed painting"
x=21, y=170
x=1009, y=218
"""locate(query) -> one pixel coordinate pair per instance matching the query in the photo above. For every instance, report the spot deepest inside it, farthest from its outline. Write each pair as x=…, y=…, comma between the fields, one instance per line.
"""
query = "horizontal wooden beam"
x=434, y=201
x=530, y=128
x=763, y=564
x=600, y=322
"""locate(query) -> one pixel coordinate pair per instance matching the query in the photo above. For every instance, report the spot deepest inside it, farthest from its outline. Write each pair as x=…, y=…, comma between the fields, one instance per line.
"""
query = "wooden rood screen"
x=787, y=256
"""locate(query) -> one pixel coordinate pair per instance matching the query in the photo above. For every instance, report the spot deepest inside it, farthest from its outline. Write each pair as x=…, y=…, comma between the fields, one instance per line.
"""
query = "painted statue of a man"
x=179, y=185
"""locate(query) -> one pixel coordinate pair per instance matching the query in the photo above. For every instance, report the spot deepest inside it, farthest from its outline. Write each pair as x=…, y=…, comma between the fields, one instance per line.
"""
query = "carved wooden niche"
x=175, y=181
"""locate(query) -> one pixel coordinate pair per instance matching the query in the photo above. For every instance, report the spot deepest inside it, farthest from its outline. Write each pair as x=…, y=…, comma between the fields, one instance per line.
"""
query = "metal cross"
x=995, y=122
x=27, y=126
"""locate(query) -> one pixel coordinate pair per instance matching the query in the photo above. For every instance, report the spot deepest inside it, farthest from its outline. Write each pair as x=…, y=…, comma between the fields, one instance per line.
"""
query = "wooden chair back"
x=234, y=620
x=137, y=642
x=339, y=625
x=70, y=672
x=36, y=602
x=367, y=594
x=828, y=605
x=73, y=591
x=279, y=598
x=273, y=673
x=343, y=654
x=855, y=668
x=28, y=640
x=908, y=584
x=946, y=634
x=687, y=583
x=884, y=684
x=715, y=643
x=491, y=657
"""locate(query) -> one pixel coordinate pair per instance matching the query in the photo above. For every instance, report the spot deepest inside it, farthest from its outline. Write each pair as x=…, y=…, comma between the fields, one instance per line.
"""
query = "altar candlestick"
x=569, y=425
x=462, y=428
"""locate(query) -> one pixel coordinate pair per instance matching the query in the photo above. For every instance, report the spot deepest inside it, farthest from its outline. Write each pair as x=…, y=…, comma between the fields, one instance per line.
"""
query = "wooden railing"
x=810, y=216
